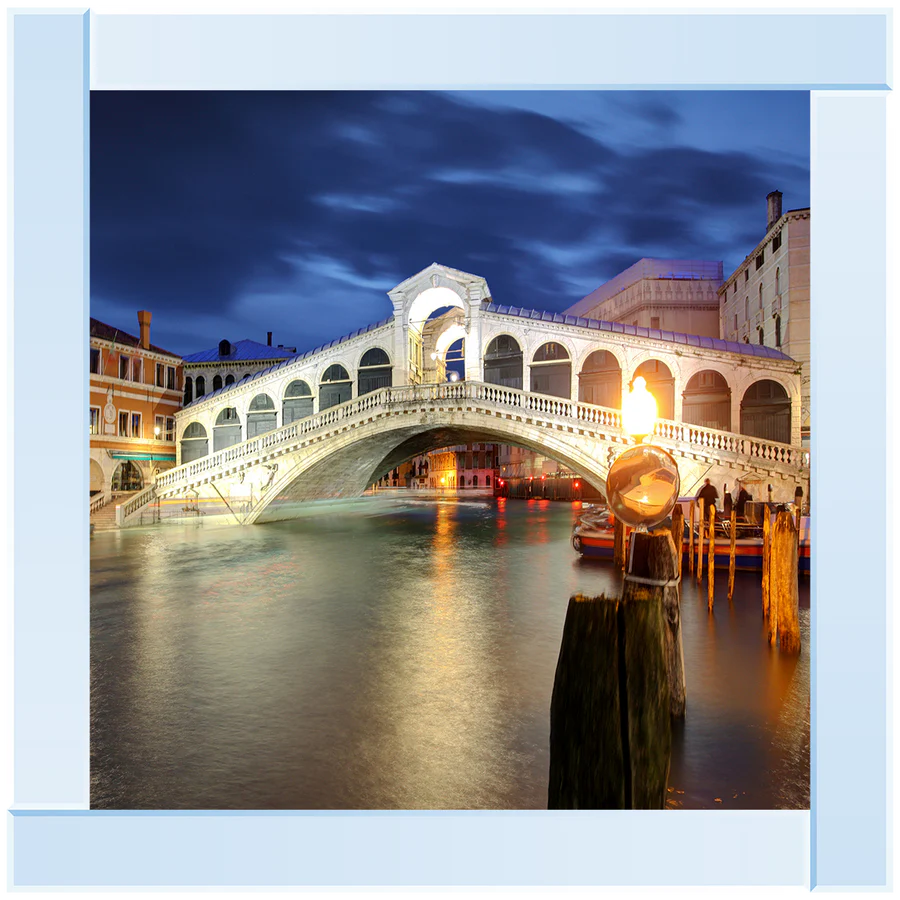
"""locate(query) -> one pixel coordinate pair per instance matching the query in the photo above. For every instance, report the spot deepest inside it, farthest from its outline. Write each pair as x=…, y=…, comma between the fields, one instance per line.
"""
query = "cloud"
x=230, y=213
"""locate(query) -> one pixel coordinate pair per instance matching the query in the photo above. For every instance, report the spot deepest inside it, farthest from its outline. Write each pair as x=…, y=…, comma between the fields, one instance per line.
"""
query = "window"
x=170, y=377
x=136, y=425
x=487, y=480
x=170, y=428
x=776, y=242
x=217, y=382
x=124, y=367
x=160, y=374
x=746, y=274
x=200, y=385
x=123, y=424
x=94, y=420
x=229, y=380
x=735, y=323
x=95, y=361
x=777, y=331
x=137, y=370
x=159, y=427
x=654, y=322
x=760, y=299
x=761, y=339
x=777, y=281
x=760, y=259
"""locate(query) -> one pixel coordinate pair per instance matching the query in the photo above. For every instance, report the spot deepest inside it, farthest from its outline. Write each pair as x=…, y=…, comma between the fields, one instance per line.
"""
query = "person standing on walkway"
x=708, y=494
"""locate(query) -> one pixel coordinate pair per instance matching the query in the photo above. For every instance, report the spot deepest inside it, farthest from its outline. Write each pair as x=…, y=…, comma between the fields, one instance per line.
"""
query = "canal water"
x=397, y=654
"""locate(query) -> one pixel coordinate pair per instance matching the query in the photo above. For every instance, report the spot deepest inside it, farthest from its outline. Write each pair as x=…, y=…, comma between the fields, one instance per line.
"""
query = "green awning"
x=144, y=456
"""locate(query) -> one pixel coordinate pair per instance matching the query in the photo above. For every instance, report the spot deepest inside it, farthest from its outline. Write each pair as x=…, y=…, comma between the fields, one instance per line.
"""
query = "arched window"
x=188, y=390
x=707, y=401
x=229, y=380
x=298, y=402
x=335, y=387
x=766, y=412
x=777, y=281
x=217, y=383
x=777, y=331
x=474, y=481
x=551, y=371
x=503, y=363
x=374, y=371
x=600, y=380
x=261, y=416
x=224, y=348
x=200, y=385
x=194, y=443
x=227, y=430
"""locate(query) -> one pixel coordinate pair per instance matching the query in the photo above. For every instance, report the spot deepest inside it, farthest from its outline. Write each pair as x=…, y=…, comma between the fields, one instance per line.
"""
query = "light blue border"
x=49, y=153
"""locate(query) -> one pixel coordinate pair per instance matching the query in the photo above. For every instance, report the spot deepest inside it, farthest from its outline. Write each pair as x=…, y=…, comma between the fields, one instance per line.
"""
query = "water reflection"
x=396, y=655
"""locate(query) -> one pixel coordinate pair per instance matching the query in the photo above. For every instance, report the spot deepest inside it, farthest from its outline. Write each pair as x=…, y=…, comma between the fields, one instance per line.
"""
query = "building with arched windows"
x=766, y=299
x=135, y=391
x=228, y=363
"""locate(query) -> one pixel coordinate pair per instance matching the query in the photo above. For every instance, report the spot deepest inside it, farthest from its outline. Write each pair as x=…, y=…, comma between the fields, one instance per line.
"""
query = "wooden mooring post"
x=784, y=591
x=767, y=525
x=731, y=554
x=678, y=535
x=610, y=725
x=691, y=540
x=711, y=558
x=619, y=544
x=701, y=521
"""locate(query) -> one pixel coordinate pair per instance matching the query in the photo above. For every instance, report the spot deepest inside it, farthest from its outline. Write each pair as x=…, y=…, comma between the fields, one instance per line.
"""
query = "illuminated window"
x=159, y=427
x=170, y=428
x=123, y=424
x=94, y=420
x=136, y=425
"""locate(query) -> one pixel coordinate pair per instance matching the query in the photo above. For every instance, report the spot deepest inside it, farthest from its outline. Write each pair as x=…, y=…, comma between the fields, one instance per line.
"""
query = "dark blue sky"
x=230, y=214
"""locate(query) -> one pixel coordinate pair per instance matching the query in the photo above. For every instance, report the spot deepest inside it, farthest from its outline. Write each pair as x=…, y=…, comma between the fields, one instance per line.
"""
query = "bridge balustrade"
x=574, y=412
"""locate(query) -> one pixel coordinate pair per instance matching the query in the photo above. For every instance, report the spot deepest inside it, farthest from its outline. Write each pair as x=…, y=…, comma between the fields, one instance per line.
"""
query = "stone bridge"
x=329, y=422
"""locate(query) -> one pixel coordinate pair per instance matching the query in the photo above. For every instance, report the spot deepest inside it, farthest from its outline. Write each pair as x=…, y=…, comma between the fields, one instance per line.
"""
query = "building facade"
x=210, y=370
x=766, y=300
x=662, y=294
x=135, y=391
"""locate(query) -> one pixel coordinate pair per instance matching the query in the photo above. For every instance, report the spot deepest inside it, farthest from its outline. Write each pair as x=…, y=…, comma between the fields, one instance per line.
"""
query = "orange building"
x=135, y=391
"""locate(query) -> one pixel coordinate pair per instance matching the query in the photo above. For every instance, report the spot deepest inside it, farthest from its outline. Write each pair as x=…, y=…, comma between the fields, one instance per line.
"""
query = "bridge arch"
x=504, y=360
x=227, y=430
x=335, y=385
x=661, y=382
x=706, y=400
x=600, y=378
x=550, y=370
x=194, y=443
x=296, y=402
x=373, y=371
x=261, y=416
x=444, y=292
x=767, y=411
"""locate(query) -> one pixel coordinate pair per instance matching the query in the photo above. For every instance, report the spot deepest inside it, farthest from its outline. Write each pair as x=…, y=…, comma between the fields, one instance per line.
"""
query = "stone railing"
x=569, y=412
x=98, y=502
x=135, y=503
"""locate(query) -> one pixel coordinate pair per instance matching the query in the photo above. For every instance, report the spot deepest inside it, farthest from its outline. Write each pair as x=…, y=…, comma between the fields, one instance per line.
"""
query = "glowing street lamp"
x=156, y=431
x=639, y=410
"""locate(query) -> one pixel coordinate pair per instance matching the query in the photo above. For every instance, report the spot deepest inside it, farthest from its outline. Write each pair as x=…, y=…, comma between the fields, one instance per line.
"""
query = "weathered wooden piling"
x=610, y=727
x=619, y=544
x=768, y=612
x=691, y=540
x=711, y=559
x=678, y=534
x=731, y=554
x=783, y=587
x=701, y=522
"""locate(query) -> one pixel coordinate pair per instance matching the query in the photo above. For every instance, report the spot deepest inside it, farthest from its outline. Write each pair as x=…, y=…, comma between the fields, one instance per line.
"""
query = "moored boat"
x=594, y=537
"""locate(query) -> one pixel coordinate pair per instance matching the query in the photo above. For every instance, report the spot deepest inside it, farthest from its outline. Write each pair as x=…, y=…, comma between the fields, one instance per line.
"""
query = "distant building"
x=766, y=301
x=226, y=364
x=135, y=391
x=461, y=467
x=666, y=294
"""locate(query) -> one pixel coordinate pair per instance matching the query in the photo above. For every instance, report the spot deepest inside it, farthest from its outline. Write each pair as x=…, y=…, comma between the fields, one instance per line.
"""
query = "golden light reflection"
x=639, y=410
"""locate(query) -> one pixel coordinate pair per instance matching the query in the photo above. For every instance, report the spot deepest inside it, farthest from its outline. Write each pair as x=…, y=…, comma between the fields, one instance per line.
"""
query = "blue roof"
x=243, y=351
x=294, y=357
x=675, y=337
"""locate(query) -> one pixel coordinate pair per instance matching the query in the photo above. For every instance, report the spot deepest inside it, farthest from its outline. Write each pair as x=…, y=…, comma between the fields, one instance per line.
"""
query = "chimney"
x=773, y=202
x=144, y=321
x=269, y=338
